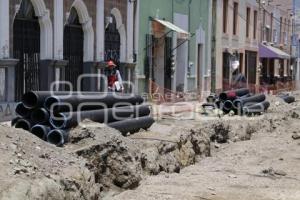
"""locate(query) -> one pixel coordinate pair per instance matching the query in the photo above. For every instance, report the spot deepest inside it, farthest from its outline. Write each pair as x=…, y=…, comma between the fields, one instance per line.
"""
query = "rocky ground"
x=182, y=156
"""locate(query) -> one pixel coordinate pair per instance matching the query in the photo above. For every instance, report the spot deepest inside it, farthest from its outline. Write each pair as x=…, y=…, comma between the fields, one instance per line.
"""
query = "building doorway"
x=168, y=63
x=26, y=48
x=250, y=66
x=226, y=70
x=199, y=68
x=181, y=65
x=73, y=49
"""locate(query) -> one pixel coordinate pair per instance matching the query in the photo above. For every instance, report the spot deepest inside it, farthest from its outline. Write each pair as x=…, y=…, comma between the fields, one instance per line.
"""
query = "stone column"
x=58, y=29
x=9, y=66
x=4, y=30
x=100, y=30
x=130, y=23
x=89, y=79
x=5, y=62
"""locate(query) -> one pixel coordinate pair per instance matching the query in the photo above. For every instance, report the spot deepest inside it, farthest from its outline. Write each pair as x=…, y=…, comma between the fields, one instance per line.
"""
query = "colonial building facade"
x=173, y=49
x=237, y=40
x=276, y=54
x=46, y=40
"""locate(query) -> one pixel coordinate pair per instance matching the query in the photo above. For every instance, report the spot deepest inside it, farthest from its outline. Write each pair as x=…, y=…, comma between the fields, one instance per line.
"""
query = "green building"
x=173, y=46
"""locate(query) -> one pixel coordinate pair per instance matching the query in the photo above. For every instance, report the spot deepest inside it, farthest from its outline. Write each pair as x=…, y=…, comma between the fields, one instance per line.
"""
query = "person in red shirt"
x=114, y=79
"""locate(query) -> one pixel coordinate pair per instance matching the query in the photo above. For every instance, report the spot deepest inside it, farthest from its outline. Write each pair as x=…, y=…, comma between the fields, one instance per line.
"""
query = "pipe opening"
x=14, y=121
x=30, y=100
x=223, y=96
x=237, y=103
x=21, y=110
x=51, y=101
x=228, y=105
x=39, y=131
x=55, y=137
x=23, y=124
x=39, y=115
x=59, y=120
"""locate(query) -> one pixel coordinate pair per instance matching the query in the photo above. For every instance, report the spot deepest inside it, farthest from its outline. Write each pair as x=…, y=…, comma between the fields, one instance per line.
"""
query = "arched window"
x=73, y=48
x=112, y=40
x=26, y=48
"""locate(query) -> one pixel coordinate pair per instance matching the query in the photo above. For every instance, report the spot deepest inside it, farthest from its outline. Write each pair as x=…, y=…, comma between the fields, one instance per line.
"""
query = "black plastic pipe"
x=90, y=102
x=14, y=121
x=23, y=124
x=35, y=99
x=58, y=137
x=69, y=120
x=245, y=96
x=228, y=105
x=40, y=131
x=40, y=116
x=22, y=111
x=256, y=108
x=240, y=103
x=233, y=94
x=132, y=125
x=288, y=99
x=218, y=103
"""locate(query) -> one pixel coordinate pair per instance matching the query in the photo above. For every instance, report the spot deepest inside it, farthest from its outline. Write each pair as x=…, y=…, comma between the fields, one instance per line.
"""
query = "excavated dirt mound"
x=264, y=166
x=33, y=169
x=165, y=150
x=98, y=162
x=113, y=159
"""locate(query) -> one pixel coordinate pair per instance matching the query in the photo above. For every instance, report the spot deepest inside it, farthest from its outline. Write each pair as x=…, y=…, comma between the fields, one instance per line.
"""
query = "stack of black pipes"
x=50, y=115
x=241, y=102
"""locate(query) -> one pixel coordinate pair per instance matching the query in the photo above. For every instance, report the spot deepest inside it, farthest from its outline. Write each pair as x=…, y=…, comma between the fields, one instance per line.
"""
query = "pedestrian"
x=114, y=79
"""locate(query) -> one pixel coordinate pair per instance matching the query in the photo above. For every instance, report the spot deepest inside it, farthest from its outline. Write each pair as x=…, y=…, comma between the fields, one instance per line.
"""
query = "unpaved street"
x=267, y=167
x=183, y=156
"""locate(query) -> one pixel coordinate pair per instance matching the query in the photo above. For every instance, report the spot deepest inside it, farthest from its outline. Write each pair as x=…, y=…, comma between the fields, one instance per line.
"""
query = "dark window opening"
x=225, y=15
x=248, y=23
x=235, y=17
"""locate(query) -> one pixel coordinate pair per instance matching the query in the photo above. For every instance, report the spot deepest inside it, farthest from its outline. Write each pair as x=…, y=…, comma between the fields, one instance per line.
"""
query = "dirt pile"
x=175, y=150
x=262, y=168
x=32, y=169
x=113, y=159
x=97, y=162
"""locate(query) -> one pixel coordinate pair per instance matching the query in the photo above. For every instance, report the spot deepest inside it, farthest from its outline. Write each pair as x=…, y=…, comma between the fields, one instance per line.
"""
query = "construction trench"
x=93, y=160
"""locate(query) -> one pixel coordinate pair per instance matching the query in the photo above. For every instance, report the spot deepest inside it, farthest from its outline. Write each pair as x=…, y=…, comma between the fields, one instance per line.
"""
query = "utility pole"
x=213, y=46
x=262, y=21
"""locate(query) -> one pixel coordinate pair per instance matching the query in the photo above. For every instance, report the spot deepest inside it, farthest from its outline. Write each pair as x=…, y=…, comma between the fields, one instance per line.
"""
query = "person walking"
x=114, y=79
